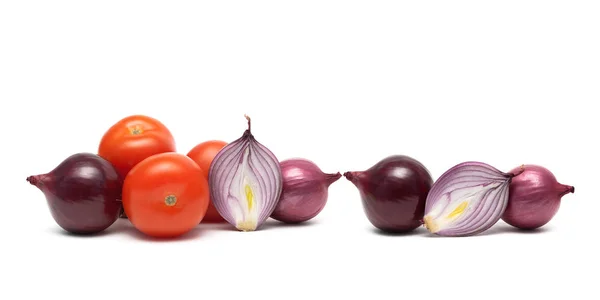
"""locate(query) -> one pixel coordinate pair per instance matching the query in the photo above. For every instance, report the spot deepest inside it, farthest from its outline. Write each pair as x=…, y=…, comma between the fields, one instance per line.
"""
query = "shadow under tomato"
x=124, y=226
x=190, y=235
x=417, y=231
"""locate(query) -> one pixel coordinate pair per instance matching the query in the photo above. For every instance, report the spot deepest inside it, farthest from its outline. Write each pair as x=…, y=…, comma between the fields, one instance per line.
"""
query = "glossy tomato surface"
x=165, y=195
x=203, y=154
x=132, y=139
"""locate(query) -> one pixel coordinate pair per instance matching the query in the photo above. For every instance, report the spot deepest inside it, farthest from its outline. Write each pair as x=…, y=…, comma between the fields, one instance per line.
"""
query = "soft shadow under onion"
x=421, y=231
x=275, y=224
x=498, y=230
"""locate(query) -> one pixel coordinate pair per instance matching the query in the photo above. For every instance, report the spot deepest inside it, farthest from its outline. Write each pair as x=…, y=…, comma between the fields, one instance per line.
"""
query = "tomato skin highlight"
x=166, y=195
x=132, y=139
x=203, y=154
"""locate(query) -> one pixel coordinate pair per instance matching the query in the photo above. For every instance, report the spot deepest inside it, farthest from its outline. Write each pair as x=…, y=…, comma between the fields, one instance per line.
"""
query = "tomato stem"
x=135, y=130
x=170, y=200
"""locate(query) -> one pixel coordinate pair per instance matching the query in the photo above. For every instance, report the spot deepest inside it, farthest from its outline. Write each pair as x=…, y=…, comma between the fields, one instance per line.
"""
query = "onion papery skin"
x=535, y=198
x=245, y=182
x=83, y=193
x=467, y=199
x=393, y=193
x=305, y=191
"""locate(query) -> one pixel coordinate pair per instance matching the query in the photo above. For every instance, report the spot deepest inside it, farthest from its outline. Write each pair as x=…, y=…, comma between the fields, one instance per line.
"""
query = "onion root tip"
x=33, y=180
x=567, y=189
x=349, y=175
x=430, y=224
x=331, y=178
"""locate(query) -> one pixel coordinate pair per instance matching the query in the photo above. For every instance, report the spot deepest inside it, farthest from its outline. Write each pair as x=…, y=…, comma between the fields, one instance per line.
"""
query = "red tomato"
x=203, y=154
x=133, y=139
x=165, y=195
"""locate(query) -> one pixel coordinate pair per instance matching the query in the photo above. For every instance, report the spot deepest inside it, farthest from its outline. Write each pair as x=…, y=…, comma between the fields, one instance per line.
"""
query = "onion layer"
x=467, y=199
x=245, y=182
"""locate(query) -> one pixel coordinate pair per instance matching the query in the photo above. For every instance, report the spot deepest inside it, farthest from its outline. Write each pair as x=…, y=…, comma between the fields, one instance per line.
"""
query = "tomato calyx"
x=170, y=200
x=136, y=130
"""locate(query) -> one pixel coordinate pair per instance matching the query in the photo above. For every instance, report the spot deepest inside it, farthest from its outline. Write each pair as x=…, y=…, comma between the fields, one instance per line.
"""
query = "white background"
x=343, y=83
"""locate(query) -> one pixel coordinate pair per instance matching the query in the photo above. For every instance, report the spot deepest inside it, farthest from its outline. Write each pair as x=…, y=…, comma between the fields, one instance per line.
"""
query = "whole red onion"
x=393, y=192
x=83, y=193
x=534, y=197
x=305, y=191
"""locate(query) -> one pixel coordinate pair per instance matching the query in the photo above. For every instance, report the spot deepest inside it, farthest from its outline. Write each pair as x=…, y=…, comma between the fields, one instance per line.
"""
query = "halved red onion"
x=245, y=182
x=467, y=199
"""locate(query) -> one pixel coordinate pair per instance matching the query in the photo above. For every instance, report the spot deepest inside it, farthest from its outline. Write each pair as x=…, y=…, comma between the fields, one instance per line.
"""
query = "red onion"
x=245, y=182
x=393, y=192
x=535, y=198
x=83, y=193
x=305, y=191
x=467, y=199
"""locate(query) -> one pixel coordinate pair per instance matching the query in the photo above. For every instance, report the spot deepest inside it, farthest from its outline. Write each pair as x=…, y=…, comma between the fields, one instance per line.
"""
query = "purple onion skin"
x=83, y=193
x=534, y=198
x=393, y=193
x=305, y=191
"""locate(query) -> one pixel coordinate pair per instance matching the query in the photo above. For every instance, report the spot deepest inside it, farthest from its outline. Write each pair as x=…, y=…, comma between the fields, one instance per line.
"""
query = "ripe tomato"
x=133, y=139
x=203, y=154
x=165, y=195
